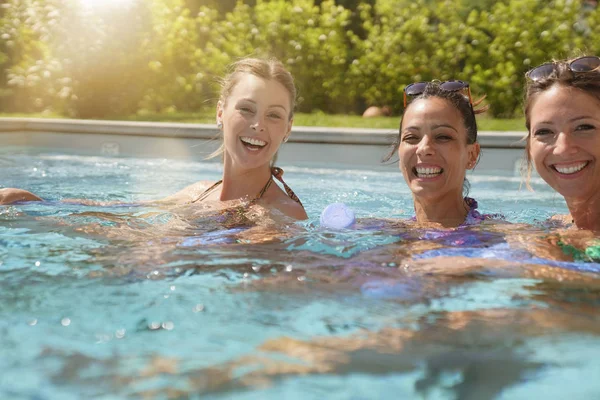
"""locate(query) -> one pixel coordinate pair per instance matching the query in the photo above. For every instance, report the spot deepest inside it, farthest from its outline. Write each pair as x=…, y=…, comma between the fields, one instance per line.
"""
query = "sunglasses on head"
x=417, y=88
x=579, y=65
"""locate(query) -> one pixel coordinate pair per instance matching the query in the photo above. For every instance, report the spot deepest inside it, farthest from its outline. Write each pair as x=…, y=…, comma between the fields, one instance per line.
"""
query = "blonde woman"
x=255, y=114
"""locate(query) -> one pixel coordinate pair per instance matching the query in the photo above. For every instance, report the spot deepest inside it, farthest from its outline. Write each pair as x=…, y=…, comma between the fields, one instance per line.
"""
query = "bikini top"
x=589, y=254
x=473, y=215
x=275, y=172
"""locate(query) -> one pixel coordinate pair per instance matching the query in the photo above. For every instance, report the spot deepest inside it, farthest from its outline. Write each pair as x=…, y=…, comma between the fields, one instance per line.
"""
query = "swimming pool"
x=114, y=302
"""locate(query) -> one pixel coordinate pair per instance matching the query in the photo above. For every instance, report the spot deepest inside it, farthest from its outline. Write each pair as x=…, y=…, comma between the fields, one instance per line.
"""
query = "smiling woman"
x=255, y=115
x=562, y=111
x=265, y=107
x=437, y=144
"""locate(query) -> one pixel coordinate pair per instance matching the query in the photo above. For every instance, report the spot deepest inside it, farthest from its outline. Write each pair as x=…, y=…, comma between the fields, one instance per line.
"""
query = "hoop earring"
x=220, y=125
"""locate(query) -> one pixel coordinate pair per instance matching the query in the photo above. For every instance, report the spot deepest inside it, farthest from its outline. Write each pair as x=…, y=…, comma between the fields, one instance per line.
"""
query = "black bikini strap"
x=204, y=194
x=275, y=171
x=278, y=173
x=260, y=194
x=265, y=188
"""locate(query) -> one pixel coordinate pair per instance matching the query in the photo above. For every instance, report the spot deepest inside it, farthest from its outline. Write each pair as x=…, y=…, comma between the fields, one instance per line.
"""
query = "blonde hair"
x=269, y=69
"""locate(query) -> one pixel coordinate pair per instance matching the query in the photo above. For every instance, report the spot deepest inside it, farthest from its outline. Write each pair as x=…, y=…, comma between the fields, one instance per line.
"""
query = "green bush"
x=310, y=40
x=32, y=75
x=409, y=41
x=157, y=56
x=174, y=81
x=512, y=50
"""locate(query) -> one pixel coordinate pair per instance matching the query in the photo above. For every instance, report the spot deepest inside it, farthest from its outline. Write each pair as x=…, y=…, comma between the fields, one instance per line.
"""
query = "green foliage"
x=411, y=41
x=174, y=61
x=222, y=6
x=312, y=43
x=311, y=40
x=101, y=49
x=550, y=33
x=165, y=56
x=32, y=76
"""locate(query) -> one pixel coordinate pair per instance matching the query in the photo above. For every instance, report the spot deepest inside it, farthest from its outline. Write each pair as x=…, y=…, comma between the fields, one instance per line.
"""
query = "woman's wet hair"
x=268, y=69
x=588, y=82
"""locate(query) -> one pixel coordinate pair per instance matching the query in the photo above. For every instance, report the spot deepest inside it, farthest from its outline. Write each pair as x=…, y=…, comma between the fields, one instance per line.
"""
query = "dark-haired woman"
x=437, y=144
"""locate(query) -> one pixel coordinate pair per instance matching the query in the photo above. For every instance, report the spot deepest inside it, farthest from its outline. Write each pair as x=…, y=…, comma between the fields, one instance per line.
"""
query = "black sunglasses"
x=577, y=66
x=417, y=88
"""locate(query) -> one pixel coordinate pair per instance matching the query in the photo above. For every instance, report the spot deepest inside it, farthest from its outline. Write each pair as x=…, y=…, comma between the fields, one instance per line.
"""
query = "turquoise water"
x=135, y=302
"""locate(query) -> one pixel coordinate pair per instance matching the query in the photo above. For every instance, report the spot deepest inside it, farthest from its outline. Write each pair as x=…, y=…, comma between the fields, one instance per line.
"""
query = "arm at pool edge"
x=12, y=195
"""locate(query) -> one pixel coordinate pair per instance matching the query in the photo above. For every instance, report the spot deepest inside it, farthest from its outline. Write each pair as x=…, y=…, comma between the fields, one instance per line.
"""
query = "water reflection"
x=462, y=355
x=467, y=313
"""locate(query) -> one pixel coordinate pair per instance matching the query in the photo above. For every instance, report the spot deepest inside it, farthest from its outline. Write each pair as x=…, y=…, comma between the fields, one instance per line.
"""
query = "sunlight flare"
x=105, y=4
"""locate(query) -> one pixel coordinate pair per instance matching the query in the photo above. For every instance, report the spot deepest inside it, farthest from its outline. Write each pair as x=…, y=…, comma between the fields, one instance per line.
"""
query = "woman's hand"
x=11, y=195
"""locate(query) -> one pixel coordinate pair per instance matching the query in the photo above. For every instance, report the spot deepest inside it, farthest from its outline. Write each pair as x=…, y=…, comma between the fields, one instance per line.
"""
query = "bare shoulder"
x=11, y=195
x=287, y=206
x=292, y=209
x=187, y=194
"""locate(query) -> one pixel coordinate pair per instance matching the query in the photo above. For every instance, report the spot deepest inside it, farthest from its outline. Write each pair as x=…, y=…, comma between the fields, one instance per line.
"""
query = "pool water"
x=125, y=301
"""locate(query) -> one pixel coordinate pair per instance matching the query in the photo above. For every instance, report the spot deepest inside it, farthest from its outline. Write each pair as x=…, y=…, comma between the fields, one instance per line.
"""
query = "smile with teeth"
x=253, y=143
x=570, y=168
x=427, y=172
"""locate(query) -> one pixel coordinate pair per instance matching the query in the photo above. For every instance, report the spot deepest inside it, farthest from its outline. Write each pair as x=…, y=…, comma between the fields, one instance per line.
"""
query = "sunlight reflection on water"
x=138, y=301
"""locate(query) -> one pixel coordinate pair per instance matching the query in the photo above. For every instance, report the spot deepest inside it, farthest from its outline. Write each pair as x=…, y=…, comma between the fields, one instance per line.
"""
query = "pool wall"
x=314, y=146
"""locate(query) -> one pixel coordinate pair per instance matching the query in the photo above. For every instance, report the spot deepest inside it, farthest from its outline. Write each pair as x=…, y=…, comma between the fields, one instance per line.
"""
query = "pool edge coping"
x=300, y=134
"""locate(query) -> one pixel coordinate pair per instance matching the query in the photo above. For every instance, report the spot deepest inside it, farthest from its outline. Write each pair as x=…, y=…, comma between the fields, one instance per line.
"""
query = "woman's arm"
x=292, y=209
x=11, y=195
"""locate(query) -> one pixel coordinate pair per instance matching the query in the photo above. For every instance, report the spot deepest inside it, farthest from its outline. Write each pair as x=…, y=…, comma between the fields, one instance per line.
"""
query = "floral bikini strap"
x=472, y=215
x=278, y=174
